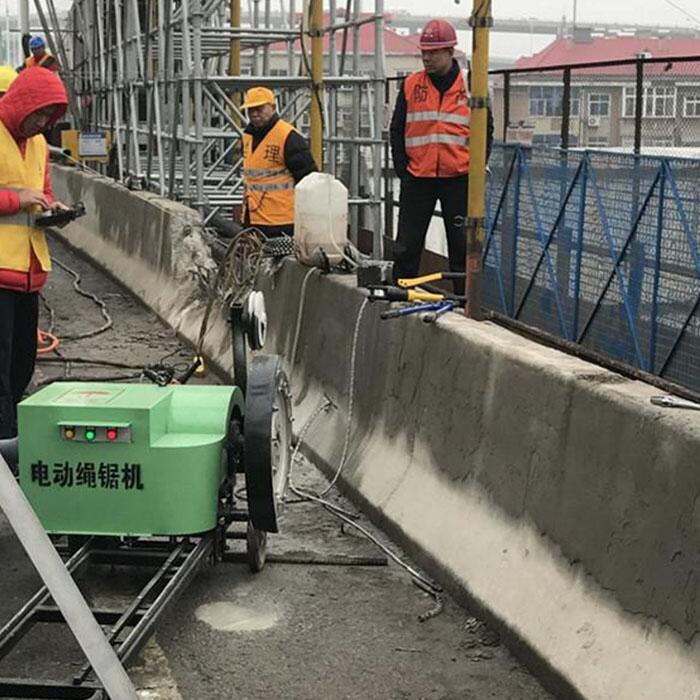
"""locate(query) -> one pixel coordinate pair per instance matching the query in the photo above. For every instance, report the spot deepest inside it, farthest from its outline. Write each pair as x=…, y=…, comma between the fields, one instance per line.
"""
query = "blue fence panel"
x=601, y=249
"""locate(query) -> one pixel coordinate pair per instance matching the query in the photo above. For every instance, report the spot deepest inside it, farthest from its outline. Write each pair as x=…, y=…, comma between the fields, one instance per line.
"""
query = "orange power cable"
x=46, y=342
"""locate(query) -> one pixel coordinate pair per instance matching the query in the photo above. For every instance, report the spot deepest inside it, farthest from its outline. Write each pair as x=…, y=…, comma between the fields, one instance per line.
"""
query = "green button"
x=90, y=434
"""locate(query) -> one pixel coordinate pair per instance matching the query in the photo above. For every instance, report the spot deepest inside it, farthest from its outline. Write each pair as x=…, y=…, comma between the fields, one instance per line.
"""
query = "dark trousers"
x=416, y=205
x=19, y=316
x=270, y=231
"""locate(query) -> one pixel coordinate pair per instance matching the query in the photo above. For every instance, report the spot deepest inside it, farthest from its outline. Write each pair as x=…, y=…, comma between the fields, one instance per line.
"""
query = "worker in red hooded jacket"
x=33, y=104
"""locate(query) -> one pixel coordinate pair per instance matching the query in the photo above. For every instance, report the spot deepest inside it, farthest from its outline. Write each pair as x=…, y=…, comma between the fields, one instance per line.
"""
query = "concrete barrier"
x=546, y=490
x=153, y=246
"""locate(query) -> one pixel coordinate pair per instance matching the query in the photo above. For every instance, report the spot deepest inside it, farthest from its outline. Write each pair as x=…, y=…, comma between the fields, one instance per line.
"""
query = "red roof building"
x=567, y=51
x=603, y=98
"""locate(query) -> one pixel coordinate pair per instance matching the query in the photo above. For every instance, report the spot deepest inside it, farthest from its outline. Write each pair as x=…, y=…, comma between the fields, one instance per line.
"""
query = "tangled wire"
x=236, y=275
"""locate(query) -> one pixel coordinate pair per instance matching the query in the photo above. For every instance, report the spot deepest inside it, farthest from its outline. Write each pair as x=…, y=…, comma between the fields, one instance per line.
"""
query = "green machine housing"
x=127, y=459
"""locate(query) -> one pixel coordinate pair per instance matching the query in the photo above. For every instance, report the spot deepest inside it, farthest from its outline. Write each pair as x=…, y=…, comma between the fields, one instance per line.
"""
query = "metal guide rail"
x=176, y=562
x=177, y=455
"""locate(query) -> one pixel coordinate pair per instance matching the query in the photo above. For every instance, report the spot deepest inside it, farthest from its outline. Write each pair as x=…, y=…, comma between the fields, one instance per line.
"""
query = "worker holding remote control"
x=34, y=102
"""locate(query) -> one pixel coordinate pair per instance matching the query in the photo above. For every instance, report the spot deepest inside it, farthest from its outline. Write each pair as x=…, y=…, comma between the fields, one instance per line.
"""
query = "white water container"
x=320, y=219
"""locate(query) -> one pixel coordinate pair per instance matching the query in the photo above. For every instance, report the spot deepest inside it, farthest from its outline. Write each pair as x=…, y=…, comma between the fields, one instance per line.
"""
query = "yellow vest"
x=269, y=186
x=19, y=172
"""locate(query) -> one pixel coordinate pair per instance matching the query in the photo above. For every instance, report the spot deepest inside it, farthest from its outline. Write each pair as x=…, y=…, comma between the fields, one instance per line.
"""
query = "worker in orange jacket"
x=430, y=131
x=32, y=104
x=40, y=57
x=275, y=158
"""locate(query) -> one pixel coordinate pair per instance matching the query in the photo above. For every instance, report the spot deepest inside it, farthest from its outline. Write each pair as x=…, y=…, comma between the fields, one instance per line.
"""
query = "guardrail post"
x=317, y=82
x=506, y=105
x=654, y=320
x=638, y=106
x=480, y=22
x=566, y=109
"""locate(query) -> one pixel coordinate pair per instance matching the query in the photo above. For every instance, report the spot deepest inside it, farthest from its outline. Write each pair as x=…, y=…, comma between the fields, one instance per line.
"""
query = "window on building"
x=599, y=104
x=659, y=101
x=278, y=71
x=546, y=140
x=597, y=141
x=691, y=106
x=546, y=100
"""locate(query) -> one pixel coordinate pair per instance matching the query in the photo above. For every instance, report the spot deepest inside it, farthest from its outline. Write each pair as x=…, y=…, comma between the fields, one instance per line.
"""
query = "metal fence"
x=593, y=211
x=600, y=249
x=646, y=104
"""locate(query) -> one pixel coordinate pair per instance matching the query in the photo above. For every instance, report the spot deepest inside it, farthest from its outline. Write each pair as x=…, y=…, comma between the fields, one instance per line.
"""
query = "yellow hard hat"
x=258, y=96
x=7, y=77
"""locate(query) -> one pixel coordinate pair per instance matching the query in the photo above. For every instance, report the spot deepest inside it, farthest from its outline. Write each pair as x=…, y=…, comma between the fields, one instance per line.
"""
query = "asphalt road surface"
x=296, y=630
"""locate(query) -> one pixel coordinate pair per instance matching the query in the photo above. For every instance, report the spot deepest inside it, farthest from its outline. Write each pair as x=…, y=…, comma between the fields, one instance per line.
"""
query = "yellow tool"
x=408, y=282
x=388, y=293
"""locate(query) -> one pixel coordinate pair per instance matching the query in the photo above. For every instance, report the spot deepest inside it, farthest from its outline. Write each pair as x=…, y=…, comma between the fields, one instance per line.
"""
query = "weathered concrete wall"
x=152, y=245
x=549, y=490
x=552, y=490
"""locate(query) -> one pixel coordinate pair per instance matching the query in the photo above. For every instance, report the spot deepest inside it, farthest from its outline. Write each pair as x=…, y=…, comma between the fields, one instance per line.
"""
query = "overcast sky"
x=639, y=11
x=656, y=12
x=682, y=13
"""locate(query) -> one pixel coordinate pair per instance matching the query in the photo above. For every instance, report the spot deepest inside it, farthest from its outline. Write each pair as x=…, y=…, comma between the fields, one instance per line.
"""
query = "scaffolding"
x=166, y=78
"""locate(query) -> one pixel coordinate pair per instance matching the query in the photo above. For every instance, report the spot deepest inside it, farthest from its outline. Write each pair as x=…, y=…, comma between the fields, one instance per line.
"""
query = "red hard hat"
x=438, y=34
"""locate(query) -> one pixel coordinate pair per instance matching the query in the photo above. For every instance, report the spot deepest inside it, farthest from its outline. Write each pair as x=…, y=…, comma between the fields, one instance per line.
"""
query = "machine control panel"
x=118, y=433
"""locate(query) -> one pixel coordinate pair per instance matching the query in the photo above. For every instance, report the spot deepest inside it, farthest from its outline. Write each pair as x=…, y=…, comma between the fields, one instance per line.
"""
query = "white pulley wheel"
x=257, y=318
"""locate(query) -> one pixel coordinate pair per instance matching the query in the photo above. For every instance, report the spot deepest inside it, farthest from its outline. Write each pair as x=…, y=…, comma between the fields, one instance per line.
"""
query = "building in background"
x=402, y=57
x=603, y=99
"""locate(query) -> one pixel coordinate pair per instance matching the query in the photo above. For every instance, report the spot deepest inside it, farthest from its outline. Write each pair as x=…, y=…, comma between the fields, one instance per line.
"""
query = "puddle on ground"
x=229, y=617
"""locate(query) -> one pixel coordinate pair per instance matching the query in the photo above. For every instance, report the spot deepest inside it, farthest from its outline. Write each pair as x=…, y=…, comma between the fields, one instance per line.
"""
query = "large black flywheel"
x=268, y=441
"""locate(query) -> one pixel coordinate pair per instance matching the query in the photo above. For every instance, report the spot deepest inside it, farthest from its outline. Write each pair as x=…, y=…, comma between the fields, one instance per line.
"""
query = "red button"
x=112, y=433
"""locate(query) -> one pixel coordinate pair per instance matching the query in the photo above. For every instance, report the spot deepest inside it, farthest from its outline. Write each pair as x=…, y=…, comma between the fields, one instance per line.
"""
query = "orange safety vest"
x=437, y=128
x=269, y=186
x=31, y=62
x=18, y=238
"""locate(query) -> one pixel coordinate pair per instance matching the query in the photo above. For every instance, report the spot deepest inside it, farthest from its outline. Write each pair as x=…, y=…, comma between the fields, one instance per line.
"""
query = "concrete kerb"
x=555, y=467
x=542, y=488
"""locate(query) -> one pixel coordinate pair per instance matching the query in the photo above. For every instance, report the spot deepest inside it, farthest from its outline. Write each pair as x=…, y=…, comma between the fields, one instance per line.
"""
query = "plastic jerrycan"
x=320, y=218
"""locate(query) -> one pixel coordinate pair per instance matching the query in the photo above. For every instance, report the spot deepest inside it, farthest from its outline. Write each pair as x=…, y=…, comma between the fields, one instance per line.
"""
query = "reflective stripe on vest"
x=20, y=171
x=258, y=172
x=269, y=185
x=31, y=62
x=437, y=127
x=436, y=138
x=21, y=219
x=437, y=116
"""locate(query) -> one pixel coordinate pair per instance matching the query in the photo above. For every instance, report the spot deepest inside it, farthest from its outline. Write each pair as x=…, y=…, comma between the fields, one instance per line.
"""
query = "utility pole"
x=317, y=82
x=234, y=62
x=481, y=21
x=24, y=26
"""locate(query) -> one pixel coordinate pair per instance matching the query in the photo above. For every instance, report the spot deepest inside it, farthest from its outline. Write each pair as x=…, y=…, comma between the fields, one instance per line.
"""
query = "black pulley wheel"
x=268, y=441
